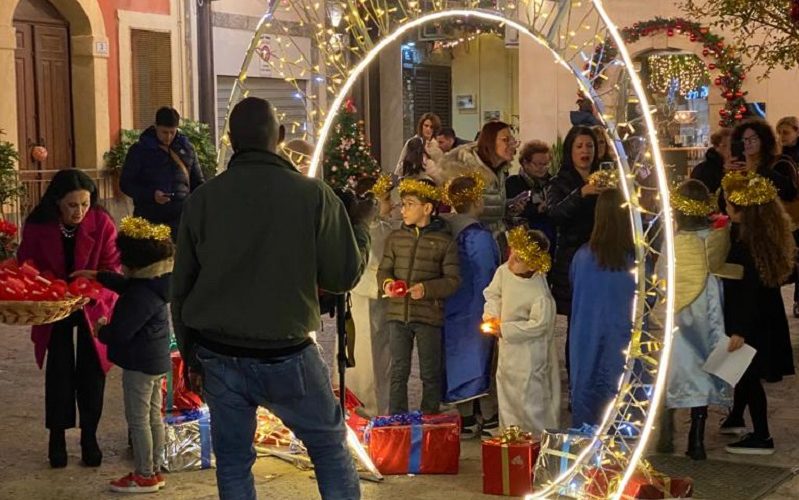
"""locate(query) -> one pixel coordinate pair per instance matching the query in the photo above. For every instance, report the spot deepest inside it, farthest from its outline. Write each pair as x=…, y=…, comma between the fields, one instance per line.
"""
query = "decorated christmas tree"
x=348, y=155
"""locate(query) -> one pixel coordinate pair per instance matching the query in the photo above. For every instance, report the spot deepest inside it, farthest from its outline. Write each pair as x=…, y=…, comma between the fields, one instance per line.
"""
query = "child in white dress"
x=520, y=311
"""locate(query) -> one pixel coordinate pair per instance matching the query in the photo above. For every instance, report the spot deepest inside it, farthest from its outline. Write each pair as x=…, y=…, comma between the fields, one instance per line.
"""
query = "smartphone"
x=607, y=165
x=737, y=148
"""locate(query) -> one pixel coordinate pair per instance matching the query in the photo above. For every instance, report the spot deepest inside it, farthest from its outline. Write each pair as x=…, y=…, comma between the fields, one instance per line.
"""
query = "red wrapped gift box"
x=508, y=467
x=432, y=447
x=175, y=389
x=639, y=487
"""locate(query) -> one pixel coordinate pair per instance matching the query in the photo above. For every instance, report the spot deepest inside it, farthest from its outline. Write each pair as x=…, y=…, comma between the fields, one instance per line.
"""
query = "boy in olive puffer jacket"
x=423, y=254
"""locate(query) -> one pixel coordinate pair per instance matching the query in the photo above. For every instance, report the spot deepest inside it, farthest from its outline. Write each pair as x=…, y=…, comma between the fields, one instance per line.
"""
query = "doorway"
x=44, y=102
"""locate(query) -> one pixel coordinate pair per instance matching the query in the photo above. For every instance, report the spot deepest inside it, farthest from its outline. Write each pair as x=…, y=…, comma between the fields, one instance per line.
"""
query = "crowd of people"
x=461, y=259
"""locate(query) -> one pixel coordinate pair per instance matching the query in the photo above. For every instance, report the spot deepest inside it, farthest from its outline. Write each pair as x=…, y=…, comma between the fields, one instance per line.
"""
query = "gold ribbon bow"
x=514, y=435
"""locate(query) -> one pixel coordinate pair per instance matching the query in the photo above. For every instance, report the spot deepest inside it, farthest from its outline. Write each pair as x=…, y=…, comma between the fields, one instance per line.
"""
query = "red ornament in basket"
x=29, y=297
x=8, y=239
x=39, y=153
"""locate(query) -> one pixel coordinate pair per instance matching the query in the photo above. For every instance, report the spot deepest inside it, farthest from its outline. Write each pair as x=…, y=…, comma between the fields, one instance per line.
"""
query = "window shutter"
x=151, y=58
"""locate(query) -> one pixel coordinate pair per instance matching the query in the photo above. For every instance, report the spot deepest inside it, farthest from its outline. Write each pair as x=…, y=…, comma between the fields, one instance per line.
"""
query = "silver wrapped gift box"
x=187, y=444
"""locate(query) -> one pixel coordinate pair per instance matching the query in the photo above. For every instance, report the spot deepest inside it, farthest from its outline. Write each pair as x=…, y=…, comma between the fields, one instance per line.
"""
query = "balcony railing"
x=35, y=183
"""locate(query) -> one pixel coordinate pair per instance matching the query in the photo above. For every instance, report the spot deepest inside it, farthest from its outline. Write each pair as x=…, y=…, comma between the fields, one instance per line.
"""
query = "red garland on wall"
x=724, y=60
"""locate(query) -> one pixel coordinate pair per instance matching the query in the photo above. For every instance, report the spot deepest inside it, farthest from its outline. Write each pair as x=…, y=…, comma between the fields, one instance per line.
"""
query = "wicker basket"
x=30, y=313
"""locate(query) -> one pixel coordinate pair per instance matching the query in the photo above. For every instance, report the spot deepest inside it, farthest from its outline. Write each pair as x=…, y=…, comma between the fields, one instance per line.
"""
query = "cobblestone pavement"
x=25, y=474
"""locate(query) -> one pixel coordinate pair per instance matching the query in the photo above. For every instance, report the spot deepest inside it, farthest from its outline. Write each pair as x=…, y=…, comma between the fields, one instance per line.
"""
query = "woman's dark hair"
x=136, y=253
x=568, y=145
x=694, y=190
x=612, y=239
x=487, y=143
x=413, y=162
x=435, y=121
x=62, y=183
x=769, y=148
x=531, y=148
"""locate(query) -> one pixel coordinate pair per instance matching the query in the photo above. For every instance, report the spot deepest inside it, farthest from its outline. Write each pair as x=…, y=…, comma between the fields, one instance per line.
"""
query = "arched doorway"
x=82, y=55
x=44, y=82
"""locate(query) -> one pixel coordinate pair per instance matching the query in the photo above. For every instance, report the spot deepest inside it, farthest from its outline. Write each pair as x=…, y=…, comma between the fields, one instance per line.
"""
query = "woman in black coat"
x=753, y=310
x=571, y=203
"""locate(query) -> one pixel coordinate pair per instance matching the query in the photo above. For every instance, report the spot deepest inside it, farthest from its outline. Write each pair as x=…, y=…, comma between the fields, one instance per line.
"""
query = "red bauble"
x=723, y=112
x=705, y=52
x=670, y=32
x=397, y=288
x=717, y=81
x=694, y=38
x=739, y=94
x=39, y=153
x=742, y=77
x=738, y=116
x=722, y=123
x=741, y=108
x=711, y=66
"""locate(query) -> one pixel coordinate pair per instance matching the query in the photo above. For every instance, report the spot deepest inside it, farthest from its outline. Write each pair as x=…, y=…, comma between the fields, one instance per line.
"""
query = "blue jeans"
x=297, y=389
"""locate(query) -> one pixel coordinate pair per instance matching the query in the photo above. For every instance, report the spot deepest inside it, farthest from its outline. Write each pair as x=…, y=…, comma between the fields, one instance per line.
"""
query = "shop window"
x=151, y=72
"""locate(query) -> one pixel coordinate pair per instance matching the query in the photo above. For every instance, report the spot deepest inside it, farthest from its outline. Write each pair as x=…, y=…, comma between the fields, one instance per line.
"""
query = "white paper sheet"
x=729, y=366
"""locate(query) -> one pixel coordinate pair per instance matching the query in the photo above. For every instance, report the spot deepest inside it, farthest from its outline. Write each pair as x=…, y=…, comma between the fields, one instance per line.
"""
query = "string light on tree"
x=348, y=155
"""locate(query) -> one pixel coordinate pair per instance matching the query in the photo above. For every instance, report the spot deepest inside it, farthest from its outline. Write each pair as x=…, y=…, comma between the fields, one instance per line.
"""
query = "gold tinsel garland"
x=414, y=187
x=382, y=186
x=464, y=196
x=142, y=229
x=604, y=178
x=529, y=251
x=689, y=206
x=746, y=189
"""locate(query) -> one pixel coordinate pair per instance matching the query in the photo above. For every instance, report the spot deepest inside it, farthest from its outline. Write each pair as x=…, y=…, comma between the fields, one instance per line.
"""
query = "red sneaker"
x=134, y=483
x=161, y=480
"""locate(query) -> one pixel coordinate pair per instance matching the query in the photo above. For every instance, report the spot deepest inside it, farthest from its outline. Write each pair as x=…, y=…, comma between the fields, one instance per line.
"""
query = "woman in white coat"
x=520, y=310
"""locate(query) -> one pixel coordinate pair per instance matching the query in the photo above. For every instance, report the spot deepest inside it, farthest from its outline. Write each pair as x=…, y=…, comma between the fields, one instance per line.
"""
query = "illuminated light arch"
x=620, y=440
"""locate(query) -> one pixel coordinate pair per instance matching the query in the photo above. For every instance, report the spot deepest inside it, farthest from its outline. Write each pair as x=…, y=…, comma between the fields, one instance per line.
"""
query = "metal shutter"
x=152, y=75
x=429, y=89
x=282, y=95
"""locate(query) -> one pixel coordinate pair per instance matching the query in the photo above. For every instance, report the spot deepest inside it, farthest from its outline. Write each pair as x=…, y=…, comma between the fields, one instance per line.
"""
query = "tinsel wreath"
x=348, y=154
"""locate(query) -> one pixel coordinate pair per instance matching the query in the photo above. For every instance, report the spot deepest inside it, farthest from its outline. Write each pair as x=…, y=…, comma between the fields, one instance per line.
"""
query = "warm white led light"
x=626, y=185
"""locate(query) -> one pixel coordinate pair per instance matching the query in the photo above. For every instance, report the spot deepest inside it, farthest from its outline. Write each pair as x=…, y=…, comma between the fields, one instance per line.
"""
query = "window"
x=427, y=89
x=151, y=60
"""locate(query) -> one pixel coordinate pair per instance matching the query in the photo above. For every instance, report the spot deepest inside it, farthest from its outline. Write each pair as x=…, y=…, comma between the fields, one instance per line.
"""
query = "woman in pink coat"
x=67, y=232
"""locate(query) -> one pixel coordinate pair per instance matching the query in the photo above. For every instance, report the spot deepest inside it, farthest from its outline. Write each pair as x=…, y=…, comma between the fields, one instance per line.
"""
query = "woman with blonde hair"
x=788, y=132
x=763, y=245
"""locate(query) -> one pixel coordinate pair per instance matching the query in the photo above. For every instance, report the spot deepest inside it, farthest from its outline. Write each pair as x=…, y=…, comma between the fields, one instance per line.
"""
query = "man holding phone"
x=160, y=171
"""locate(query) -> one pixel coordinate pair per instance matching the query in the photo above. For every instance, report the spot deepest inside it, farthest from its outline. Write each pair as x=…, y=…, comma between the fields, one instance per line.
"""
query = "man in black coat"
x=448, y=140
x=160, y=171
x=710, y=171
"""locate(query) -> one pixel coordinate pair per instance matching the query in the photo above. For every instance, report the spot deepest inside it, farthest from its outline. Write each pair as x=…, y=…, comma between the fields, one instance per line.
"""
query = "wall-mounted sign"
x=101, y=48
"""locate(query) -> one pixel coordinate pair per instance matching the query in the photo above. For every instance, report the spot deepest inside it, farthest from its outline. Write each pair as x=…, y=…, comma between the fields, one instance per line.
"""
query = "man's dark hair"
x=447, y=132
x=136, y=253
x=167, y=117
x=253, y=126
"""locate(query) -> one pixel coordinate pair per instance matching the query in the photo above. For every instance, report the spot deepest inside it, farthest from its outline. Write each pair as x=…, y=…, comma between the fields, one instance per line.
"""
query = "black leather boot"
x=89, y=449
x=696, y=435
x=665, y=442
x=57, y=449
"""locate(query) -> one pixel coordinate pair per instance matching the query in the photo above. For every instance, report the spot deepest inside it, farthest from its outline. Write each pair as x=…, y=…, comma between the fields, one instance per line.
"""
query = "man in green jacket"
x=254, y=246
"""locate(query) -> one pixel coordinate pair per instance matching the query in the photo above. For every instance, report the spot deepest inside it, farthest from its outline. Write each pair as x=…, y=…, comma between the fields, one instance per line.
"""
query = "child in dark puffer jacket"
x=138, y=341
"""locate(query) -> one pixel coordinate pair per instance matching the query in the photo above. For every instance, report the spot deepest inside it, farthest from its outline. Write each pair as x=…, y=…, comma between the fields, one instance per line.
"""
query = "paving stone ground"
x=25, y=474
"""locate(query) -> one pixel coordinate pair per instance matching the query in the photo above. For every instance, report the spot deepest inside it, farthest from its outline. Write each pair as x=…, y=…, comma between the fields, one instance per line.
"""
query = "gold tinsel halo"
x=605, y=178
x=689, y=206
x=746, y=189
x=466, y=196
x=382, y=186
x=529, y=251
x=418, y=188
x=142, y=229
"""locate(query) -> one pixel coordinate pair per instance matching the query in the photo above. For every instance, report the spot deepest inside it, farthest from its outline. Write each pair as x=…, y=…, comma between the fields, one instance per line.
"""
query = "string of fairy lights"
x=348, y=35
x=681, y=72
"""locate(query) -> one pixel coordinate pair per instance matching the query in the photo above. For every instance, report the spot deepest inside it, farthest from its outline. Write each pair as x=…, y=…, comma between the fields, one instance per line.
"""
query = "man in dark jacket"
x=255, y=244
x=448, y=140
x=710, y=171
x=160, y=171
